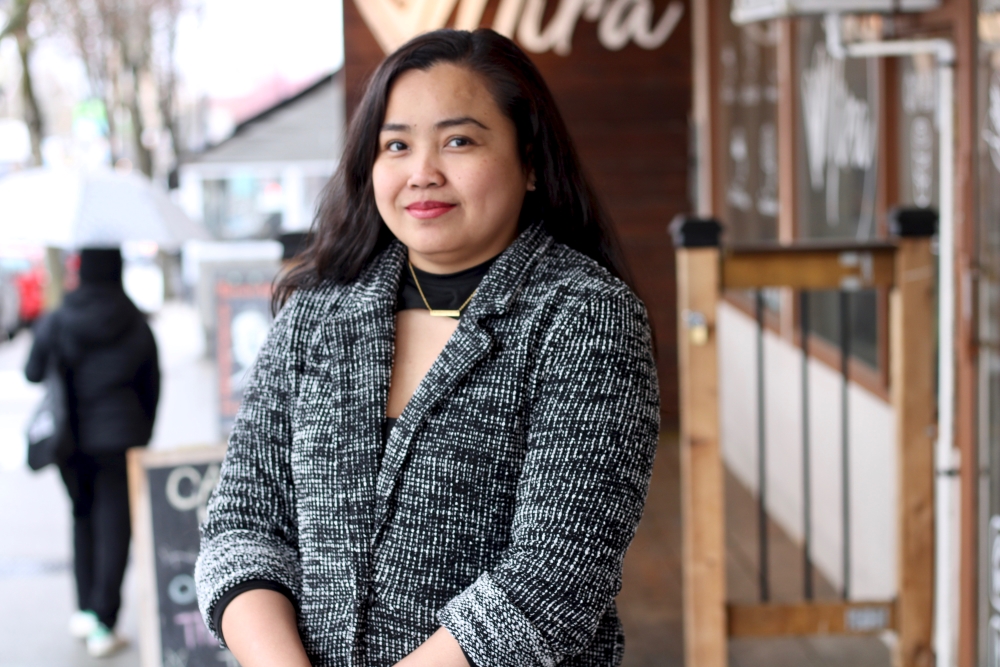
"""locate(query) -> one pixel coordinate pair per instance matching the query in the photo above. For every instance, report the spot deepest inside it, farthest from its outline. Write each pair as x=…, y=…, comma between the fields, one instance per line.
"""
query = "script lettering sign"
x=393, y=23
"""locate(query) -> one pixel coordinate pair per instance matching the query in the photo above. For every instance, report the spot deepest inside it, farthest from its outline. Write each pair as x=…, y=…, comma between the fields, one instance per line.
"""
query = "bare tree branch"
x=17, y=27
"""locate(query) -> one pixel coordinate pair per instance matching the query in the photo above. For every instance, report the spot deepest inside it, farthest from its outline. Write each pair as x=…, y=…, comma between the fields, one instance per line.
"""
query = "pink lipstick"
x=424, y=210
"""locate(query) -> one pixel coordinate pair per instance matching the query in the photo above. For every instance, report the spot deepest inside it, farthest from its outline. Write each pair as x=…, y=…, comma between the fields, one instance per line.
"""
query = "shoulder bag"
x=49, y=432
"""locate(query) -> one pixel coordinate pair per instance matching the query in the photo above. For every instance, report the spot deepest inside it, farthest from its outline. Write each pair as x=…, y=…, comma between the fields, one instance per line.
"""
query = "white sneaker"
x=103, y=642
x=82, y=623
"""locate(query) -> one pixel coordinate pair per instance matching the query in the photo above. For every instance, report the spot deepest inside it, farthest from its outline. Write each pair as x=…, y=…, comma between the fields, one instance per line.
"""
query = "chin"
x=431, y=239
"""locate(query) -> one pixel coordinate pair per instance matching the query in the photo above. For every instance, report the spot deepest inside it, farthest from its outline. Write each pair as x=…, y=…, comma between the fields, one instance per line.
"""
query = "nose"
x=426, y=171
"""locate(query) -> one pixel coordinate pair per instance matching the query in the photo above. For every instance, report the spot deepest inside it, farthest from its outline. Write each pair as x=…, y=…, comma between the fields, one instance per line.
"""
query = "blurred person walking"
x=112, y=374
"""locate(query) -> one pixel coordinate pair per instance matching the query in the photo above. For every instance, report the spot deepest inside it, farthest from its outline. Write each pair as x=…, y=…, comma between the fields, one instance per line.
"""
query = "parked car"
x=22, y=285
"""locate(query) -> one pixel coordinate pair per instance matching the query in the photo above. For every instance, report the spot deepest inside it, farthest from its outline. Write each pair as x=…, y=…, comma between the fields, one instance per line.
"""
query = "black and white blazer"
x=506, y=495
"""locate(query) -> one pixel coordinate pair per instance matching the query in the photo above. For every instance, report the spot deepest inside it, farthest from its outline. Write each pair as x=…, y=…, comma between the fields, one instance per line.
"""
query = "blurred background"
x=197, y=135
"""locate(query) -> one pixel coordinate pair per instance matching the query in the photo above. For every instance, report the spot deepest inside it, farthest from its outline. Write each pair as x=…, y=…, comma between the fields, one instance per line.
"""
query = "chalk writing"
x=176, y=557
x=919, y=102
x=736, y=193
x=181, y=589
x=767, y=196
x=195, y=632
x=839, y=129
x=178, y=658
x=991, y=133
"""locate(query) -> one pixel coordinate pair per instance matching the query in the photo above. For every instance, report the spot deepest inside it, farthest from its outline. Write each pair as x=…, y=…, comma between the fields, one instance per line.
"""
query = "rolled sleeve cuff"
x=492, y=631
x=239, y=556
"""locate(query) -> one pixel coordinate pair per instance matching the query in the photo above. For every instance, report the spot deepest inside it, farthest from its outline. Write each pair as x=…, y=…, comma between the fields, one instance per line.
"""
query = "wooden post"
x=912, y=370
x=702, y=500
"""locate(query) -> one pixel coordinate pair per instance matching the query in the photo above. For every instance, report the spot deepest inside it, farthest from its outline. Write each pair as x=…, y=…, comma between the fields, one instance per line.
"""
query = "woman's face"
x=448, y=179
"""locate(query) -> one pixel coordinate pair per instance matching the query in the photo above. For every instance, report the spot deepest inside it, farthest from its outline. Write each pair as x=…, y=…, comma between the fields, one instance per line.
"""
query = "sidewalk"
x=36, y=583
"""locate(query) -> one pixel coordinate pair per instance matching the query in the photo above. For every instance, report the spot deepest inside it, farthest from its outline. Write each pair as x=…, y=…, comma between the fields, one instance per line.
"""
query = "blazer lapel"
x=359, y=339
x=469, y=345
x=466, y=347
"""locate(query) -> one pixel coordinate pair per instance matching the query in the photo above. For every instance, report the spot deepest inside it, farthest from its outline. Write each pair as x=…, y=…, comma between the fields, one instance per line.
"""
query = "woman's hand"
x=440, y=650
x=260, y=629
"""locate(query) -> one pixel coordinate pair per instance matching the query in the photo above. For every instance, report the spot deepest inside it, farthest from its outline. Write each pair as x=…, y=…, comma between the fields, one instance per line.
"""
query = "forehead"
x=443, y=91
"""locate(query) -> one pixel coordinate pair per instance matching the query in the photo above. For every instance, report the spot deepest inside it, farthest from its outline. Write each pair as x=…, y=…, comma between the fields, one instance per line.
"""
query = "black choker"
x=444, y=291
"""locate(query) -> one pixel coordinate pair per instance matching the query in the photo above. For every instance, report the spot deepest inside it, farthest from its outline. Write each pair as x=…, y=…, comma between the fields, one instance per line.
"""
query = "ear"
x=531, y=181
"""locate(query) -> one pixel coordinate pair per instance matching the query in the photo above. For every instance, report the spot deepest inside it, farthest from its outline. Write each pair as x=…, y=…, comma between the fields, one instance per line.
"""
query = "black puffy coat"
x=113, y=373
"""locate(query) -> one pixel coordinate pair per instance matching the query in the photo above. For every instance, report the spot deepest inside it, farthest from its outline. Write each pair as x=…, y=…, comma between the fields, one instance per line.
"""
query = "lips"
x=429, y=209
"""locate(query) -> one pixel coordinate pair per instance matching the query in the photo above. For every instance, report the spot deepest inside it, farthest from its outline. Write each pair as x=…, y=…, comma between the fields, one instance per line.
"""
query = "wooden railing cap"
x=910, y=221
x=688, y=231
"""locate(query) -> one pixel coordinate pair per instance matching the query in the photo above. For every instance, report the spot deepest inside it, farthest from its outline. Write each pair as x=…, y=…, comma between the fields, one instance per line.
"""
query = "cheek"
x=494, y=183
x=384, y=185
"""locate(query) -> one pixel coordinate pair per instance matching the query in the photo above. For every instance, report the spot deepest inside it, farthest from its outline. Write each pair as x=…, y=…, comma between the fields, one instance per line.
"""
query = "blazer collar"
x=378, y=284
x=360, y=335
x=508, y=273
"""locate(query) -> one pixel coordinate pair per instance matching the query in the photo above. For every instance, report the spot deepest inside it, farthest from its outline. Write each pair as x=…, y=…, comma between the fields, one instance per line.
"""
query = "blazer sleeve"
x=250, y=531
x=593, y=429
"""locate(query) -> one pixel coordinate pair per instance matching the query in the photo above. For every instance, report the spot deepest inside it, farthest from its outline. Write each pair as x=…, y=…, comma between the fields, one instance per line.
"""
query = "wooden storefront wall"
x=627, y=111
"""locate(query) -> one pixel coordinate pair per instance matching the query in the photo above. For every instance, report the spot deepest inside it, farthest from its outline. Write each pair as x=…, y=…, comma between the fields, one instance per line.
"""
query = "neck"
x=454, y=262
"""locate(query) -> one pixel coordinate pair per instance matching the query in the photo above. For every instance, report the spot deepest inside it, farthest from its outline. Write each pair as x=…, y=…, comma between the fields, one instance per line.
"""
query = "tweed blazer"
x=506, y=494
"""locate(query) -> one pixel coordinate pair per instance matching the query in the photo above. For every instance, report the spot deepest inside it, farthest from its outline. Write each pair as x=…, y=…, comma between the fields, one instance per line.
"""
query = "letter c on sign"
x=180, y=502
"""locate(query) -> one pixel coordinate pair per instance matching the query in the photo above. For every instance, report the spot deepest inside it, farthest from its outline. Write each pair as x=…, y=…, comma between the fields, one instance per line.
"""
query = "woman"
x=113, y=377
x=446, y=444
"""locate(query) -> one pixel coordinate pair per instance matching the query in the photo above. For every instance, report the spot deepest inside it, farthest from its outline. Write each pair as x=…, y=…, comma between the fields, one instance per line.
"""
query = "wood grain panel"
x=703, y=515
x=810, y=618
x=628, y=113
x=914, y=401
x=802, y=268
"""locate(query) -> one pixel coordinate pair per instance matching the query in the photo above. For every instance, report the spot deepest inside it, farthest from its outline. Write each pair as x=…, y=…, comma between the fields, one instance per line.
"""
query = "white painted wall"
x=872, y=452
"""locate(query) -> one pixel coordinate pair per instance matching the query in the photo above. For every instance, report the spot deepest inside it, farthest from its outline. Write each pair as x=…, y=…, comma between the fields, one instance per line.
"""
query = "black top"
x=444, y=292
x=112, y=374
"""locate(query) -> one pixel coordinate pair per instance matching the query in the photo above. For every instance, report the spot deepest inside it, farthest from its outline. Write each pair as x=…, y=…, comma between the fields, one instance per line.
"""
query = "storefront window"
x=748, y=116
x=243, y=206
x=836, y=185
x=837, y=139
x=917, y=138
x=988, y=243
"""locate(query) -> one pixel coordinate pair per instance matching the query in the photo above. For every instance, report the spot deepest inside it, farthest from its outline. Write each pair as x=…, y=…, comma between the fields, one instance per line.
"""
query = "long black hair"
x=348, y=231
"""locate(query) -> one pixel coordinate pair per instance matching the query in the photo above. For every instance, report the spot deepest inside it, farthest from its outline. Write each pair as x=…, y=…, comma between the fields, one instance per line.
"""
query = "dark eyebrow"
x=448, y=122
x=453, y=122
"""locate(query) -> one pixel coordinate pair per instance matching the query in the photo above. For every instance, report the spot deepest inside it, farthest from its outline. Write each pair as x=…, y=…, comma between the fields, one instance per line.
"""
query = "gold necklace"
x=439, y=313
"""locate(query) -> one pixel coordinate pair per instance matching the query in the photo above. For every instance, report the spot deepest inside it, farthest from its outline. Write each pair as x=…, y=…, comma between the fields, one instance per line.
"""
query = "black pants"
x=98, y=489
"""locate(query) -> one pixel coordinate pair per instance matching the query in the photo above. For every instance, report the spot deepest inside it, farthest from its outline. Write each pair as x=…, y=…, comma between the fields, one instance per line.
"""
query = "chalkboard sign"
x=168, y=492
